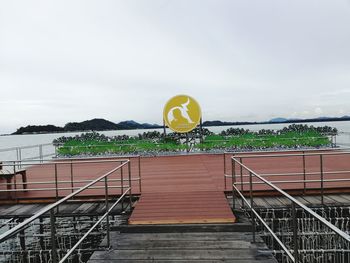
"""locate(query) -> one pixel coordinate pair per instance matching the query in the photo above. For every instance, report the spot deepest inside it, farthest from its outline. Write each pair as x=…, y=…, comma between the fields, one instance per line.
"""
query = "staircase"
x=185, y=243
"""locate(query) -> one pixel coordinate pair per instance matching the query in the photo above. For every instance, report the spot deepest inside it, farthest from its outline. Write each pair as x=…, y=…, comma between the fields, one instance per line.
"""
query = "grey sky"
x=66, y=61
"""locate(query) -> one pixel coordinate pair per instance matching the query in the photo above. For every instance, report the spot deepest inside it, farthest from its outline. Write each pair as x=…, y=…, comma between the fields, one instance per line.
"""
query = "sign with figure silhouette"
x=182, y=113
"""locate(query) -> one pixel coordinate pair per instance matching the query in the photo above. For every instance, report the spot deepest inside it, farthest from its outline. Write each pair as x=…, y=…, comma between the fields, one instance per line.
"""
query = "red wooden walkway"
x=177, y=177
x=182, y=189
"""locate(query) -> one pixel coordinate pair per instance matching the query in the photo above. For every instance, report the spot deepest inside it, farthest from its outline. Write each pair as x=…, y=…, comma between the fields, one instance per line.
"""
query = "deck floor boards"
x=200, y=172
x=181, y=187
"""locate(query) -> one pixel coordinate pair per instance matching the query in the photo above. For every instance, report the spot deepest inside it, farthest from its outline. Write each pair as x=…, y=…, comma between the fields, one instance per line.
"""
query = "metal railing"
x=320, y=177
x=64, y=179
x=29, y=152
x=53, y=211
x=330, y=137
x=293, y=248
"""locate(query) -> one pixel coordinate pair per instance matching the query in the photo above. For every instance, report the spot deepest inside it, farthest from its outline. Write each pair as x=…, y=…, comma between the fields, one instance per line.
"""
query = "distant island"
x=88, y=125
x=105, y=125
x=276, y=121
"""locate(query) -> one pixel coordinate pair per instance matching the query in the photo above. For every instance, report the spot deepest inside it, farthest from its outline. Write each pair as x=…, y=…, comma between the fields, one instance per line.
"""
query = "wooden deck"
x=183, y=188
x=330, y=200
x=180, y=190
x=202, y=172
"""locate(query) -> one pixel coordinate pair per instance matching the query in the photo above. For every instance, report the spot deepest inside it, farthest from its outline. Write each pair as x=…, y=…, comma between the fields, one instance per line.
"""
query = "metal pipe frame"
x=288, y=150
x=63, y=161
x=295, y=181
x=285, y=249
x=48, y=208
x=25, y=147
x=68, y=182
x=293, y=174
x=293, y=154
x=255, y=215
x=59, y=188
x=340, y=233
x=57, y=182
x=70, y=252
x=262, y=153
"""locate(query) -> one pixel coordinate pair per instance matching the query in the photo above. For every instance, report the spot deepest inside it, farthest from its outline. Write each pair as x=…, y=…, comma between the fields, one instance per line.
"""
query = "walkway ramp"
x=184, y=192
x=182, y=208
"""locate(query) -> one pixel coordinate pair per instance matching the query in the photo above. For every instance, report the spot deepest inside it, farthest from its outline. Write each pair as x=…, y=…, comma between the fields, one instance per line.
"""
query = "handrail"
x=18, y=166
x=25, y=223
x=74, y=160
x=10, y=163
x=299, y=152
x=70, y=251
x=290, y=154
x=295, y=173
x=295, y=201
x=24, y=147
x=265, y=225
x=289, y=150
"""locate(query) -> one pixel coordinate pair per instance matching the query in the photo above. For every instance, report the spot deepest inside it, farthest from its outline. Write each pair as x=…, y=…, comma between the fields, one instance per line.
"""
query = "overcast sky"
x=64, y=61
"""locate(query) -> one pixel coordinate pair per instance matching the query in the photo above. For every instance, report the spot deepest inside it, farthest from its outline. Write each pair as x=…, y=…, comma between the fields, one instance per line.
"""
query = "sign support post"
x=164, y=128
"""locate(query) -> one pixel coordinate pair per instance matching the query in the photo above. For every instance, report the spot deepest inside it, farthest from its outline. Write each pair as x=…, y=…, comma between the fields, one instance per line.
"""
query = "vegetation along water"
x=293, y=136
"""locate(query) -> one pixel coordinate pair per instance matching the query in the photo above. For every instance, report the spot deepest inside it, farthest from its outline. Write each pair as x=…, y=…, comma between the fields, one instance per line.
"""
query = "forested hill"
x=89, y=125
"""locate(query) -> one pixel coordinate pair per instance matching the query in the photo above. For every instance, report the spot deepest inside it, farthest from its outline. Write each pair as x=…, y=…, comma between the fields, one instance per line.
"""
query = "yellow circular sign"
x=182, y=113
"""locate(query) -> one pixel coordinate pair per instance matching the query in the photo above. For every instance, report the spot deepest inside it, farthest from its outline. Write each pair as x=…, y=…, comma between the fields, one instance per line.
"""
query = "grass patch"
x=252, y=140
x=95, y=147
x=293, y=136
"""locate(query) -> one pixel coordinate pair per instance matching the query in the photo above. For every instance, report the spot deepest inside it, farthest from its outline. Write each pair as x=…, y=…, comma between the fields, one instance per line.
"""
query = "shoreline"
x=205, y=126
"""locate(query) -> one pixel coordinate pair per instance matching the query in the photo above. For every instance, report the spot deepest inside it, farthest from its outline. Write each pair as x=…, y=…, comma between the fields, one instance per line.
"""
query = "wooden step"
x=184, y=247
x=182, y=208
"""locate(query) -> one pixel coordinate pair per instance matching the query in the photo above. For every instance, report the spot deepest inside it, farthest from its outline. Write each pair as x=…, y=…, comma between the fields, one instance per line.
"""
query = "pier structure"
x=290, y=206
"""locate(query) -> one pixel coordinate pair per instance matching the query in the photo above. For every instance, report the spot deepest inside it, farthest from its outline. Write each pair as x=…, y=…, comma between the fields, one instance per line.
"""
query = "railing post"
x=53, y=237
x=321, y=171
x=304, y=173
x=140, y=181
x=241, y=171
x=41, y=153
x=71, y=176
x=225, y=183
x=295, y=233
x=20, y=157
x=41, y=231
x=15, y=179
x=129, y=173
x=233, y=165
x=17, y=153
x=252, y=204
x=107, y=218
x=56, y=181
x=122, y=181
x=22, y=242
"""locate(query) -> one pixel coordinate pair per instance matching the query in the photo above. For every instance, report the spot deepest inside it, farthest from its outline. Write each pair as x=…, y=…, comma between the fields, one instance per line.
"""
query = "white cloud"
x=243, y=60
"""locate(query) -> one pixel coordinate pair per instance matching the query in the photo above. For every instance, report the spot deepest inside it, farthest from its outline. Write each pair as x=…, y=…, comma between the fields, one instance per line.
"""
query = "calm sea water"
x=34, y=139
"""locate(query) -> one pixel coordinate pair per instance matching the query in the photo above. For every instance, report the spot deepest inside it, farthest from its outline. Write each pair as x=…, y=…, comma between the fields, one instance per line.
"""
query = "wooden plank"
x=179, y=261
x=180, y=208
x=313, y=200
x=200, y=172
x=339, y=199
x=303, y=200
x=345, y=196
x=273, y=202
